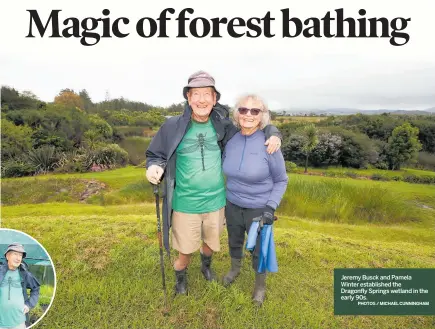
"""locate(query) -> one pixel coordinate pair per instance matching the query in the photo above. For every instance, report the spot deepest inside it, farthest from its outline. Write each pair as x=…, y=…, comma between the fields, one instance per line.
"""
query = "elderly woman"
x=256, y=182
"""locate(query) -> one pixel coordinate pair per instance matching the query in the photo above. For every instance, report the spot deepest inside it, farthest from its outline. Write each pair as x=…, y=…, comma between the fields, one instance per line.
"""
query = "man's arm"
x=157, y=155
x=34, y=287
x=271, y=130
x=273, y=138
x=156, y=152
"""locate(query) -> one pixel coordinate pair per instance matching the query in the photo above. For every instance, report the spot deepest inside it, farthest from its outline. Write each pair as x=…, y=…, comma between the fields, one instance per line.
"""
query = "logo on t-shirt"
x=200, y=143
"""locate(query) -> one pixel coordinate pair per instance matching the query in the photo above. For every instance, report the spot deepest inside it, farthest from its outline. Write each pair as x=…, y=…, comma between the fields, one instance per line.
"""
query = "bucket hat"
x=200, y=79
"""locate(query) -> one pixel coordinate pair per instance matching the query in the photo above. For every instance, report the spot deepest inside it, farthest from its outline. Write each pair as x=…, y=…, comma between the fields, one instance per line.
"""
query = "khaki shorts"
x=189, y=229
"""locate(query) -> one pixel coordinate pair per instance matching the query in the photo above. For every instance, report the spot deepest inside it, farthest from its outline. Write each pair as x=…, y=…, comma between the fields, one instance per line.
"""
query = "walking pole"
x=159, y=235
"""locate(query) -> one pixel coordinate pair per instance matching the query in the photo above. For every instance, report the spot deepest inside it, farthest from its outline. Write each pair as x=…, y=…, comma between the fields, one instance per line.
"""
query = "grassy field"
x=106, y=253
x=307, y=119
x=351, y=172
x=314, y=197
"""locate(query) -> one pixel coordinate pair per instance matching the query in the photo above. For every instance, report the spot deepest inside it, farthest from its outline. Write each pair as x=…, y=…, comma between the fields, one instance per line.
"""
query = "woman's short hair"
x=265, y=120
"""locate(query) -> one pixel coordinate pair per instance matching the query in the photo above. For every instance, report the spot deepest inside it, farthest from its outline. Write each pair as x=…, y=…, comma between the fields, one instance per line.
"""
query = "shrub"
x=357, y=150
x=381, y=165
x=329, y=174
x=100, y=126
x=108, y=156
x=290, y=166
x=427, y=179
x=380, y=177
x=351, y=174
x=409, y=178
x=17, y=168
x=328, y=151
x=74, y=161
x=292, y=150
x=423, y=179
x=15, y=140
x=43, y=158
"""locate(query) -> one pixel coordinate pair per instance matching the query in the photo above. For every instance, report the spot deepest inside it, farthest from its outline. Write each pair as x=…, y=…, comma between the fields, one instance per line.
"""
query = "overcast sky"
x=288, y=73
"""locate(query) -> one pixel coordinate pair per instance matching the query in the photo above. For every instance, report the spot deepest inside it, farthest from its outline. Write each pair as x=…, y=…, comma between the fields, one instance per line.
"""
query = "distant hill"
x=347, y=111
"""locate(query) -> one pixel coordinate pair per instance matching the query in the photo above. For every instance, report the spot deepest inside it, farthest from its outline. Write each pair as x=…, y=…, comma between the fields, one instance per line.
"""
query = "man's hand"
x=154, y=173
x=267, y=218
x=26, y=309
x=273, y=144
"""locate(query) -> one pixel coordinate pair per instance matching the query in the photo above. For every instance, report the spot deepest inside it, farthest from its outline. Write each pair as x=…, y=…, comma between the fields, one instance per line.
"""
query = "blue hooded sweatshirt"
x=254, y=177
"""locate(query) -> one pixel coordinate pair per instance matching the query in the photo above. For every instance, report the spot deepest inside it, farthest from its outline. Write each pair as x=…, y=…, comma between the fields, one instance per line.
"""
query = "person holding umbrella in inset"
x=15, y=279
x=256, y=183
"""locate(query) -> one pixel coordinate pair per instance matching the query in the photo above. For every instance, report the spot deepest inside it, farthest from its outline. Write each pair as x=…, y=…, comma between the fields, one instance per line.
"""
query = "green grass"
x=405, y=174
x=115, y=179
x=69, y=187
x=357, y=201
x=287, y=119
x=108, y=275
x=107, y=259
x=315, y=197
x=38, y=190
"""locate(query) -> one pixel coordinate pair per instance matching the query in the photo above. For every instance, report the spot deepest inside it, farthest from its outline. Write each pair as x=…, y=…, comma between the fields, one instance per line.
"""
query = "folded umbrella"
x=267, y=260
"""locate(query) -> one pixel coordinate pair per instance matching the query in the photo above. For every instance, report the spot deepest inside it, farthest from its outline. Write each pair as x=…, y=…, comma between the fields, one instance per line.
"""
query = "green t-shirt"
x=199, y=179
x=11, y=300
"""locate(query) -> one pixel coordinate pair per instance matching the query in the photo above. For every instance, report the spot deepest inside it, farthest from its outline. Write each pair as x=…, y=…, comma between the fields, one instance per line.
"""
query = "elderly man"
x=188, y=149
x=15, y=279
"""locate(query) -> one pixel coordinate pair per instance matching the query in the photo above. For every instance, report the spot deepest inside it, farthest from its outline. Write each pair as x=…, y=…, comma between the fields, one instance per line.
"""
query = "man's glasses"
x=245, y=110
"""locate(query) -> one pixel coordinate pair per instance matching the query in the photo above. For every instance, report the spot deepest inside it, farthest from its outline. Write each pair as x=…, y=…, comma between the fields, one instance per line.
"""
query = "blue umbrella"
x=267, y=260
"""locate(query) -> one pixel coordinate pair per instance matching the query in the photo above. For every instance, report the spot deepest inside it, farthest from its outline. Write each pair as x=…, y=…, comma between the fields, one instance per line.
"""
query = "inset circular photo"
x=27, y=280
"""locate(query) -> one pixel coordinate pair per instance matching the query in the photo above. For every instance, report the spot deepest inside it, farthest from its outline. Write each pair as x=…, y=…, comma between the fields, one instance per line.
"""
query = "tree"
x=357, y=149
x=426, y=134
x=67, y=90
x=403, y=145
x=61, y=126
x=92, y=139
x=100, y=126
x=15, y=139
x=69, y=98
x=272, y=115
x=87, y=102
x=328, y=150
x=292, y=149
x=11, y=99
x=310, y=142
